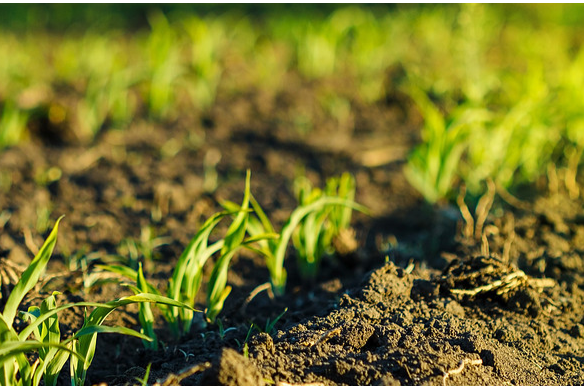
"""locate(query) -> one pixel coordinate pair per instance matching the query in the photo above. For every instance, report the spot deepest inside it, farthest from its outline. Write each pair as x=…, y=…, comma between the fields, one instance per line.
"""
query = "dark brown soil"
x=439, y=310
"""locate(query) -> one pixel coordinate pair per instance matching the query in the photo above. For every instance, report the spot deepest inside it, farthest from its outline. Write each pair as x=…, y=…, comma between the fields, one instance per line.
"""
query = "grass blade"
x=145, y=314
x=13, y=348
x=31, y=275
x=87, y=338
x=189, y=268
x=232, y=242
x=276, y=268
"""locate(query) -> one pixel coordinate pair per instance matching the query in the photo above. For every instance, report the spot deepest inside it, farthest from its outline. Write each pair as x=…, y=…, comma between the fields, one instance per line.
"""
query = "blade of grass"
x=233, y=240
x=145, y=314
x=86, y=339
x=189, y=269
x=31, y=275
x=52, y=359
x=276, y=268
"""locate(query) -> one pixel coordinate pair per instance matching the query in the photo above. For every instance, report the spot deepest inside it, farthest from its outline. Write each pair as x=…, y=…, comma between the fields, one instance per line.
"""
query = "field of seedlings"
x=291, y=194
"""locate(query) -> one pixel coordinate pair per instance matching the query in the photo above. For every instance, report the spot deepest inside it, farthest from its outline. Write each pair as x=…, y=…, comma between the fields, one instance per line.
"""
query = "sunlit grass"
x=500, y=91
x=187, y=277
x=500, y=88
x=53, y=352
x=519, y=64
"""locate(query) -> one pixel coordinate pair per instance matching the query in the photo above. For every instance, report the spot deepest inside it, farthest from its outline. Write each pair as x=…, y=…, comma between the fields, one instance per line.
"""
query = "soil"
x=420, y=302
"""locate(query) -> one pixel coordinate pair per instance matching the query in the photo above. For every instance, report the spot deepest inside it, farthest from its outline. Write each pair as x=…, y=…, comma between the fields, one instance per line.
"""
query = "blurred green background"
x=500, y=87
x=63, y=17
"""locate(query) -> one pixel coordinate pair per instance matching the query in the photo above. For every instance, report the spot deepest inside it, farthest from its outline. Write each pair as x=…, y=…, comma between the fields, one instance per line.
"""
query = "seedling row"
x=319, y=218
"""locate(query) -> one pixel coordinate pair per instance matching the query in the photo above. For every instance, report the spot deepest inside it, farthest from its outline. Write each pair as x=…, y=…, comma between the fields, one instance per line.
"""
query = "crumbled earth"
x=420, y=302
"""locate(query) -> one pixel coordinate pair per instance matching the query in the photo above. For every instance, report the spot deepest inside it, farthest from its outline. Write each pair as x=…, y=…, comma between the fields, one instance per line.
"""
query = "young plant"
x=15, y=368
x=315, y=233
x=164, y=65
x=222, y=329
x=204, y=69
x=186, y=279
x=258, y=224
x=234, y=240
x=270, y=324
x=310, y=216
x=85, y=340
x=144, y=381
x=433, y=165
x=12, y=125
x=145, y=314
x=244, y=346
x=218, y=289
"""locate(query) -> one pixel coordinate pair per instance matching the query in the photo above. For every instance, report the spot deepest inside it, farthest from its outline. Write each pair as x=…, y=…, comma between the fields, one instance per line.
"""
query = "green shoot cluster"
x=500, y=87
x=250, y=229
x=53, y=352
x=501, y=99
x=313, y=238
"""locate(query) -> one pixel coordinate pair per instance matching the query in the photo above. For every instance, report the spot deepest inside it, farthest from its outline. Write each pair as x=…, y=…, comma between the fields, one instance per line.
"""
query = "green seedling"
x=164, y=66
x=204, y=70
x=86, y=337
x=313, y=238
x=186, y=279
x=145, y=314
x=234, y=240
x=30, y=276
x=249, y=332
x=107, y=98
x=432, y=166
x=513, y=146
x=144, y=381
x=15, y=369
x=53, y=353
x=274, y=250
x=269, y=329
x=49, y=332
x=218, y=289
x=317, y=50
x=12, y=125
x=345, y=188
x=245, y=347
x=270, y=324
x=188, y=274
x=104, y=81
x=259, y=224
x=133, y=251
x=223, y=330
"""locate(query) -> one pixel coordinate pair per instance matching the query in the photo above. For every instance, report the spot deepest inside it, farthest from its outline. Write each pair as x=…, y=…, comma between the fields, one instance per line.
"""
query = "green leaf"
x=276, y=268
x=99, y=329
x=25, y=333
x=31, y=275
x=9, y=349
x=86, y=338
x=52, y=359
x=232, y=242
x=55, y=361
x=186, y=278
x=145, y=313
x=129, y=273
x=8, y=369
